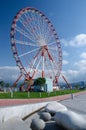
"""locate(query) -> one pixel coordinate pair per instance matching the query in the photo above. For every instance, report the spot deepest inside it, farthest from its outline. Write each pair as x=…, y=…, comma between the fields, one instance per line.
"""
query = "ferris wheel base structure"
x=49, y=87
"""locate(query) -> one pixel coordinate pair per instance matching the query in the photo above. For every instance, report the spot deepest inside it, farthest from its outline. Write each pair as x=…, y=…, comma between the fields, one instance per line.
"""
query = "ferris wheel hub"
x=41, y=41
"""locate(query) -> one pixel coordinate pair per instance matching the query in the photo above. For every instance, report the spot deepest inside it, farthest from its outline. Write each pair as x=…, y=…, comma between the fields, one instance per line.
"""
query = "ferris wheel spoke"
x=32, y=64
x=46, y=68
x=38, y=24
x=38, y=63
x=25, y=23
x=53, y=48
x=47, y=34
x=45, y=29
x=34, y=60
x=35, y=24
x=43, y=67
x=21, y=31
x=36, y=67
x=56, y=65
x=43, y=26
x=52, y=58
x=26, y=43
x=52, y=43
x=29, y=52
x=53, y=68
x=50, y=37
x=27, y=27
x=31, y=27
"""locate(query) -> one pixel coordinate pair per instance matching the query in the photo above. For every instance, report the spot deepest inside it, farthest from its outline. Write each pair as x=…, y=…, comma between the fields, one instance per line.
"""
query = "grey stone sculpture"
x=37, y=124
x=45, y=116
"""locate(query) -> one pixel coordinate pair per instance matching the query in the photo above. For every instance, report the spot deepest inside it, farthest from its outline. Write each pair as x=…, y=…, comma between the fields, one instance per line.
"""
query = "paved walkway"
x=13, y=102
x=78, y=104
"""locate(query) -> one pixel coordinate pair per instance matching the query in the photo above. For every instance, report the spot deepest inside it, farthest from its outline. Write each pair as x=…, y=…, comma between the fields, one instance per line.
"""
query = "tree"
x=2, y=83
x=40, y=82
x=7, y=85
x=77, y=86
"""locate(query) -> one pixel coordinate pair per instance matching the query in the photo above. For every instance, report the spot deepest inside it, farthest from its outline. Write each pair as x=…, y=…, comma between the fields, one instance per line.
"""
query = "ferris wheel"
x=35, y=45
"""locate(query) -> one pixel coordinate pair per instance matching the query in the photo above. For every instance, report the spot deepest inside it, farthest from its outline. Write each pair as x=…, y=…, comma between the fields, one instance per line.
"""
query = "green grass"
x=24, y=95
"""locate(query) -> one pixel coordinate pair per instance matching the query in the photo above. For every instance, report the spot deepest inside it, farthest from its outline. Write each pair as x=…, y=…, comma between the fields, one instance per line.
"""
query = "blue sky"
x=69, y=20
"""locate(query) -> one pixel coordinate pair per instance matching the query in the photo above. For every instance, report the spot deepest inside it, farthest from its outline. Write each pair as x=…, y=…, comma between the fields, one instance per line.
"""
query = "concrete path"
x=77, y=104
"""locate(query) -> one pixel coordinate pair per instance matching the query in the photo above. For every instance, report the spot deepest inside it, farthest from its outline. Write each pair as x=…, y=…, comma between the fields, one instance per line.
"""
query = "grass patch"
x=25, y=95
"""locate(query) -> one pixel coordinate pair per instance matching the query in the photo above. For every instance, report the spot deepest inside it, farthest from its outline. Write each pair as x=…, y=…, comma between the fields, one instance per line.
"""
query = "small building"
x=47, y=88
x=49, y=85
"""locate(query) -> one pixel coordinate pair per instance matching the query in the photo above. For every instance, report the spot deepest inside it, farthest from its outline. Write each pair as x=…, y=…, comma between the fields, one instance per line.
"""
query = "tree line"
x=4, y=84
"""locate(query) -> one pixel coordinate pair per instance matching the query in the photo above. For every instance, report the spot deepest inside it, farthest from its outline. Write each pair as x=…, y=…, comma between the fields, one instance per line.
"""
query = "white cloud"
x=78, y=74
x=83, y=55
x=74, y=75
x=77, y=41
x=70, y=75
x=64, y=42
x=65, y=62
x=81, y=65
x=65, y=53
x=9, y=73
x=77, y=69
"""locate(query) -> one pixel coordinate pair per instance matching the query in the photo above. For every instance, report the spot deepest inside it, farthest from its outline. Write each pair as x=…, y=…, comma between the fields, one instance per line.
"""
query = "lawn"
x=25, y=95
